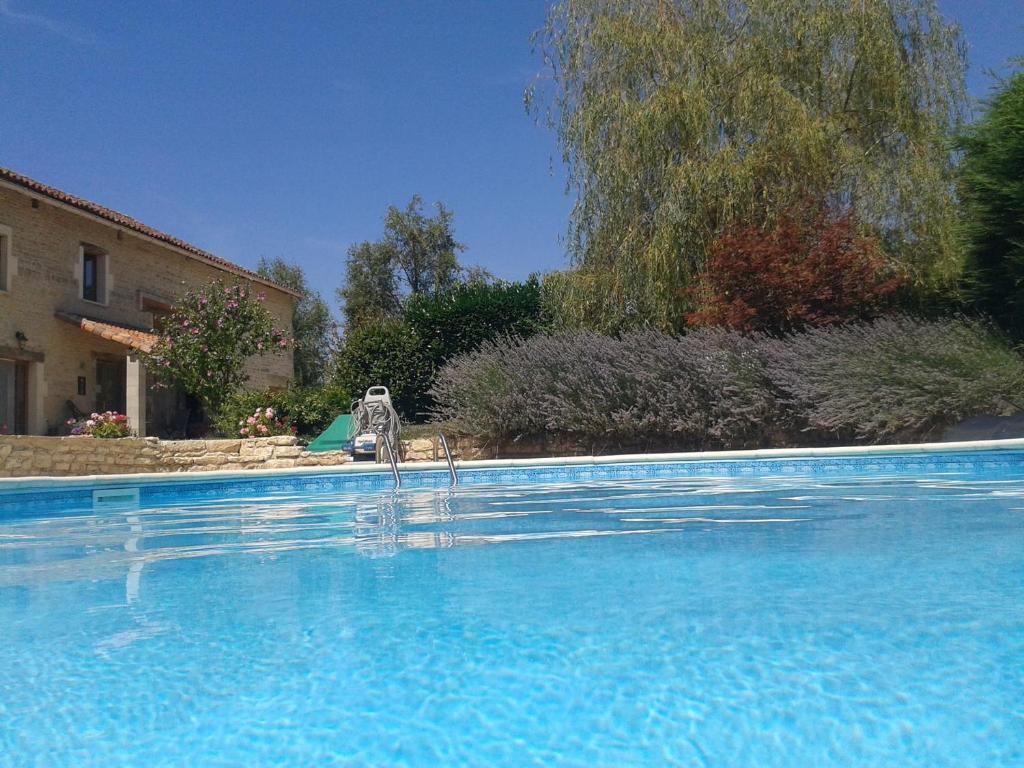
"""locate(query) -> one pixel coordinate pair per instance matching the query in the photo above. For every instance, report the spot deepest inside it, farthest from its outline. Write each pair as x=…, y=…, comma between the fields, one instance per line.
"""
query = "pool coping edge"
x=15, y=484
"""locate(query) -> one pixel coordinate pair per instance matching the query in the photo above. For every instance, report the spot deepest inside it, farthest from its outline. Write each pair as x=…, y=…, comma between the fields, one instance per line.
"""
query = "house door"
x=110, y=385
x=13, y=397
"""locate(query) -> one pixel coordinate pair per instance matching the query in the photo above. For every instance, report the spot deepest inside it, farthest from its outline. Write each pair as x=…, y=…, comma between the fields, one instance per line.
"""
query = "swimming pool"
x=830, y=611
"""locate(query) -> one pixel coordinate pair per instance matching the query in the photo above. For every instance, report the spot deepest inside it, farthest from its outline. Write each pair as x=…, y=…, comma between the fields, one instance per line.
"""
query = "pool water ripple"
x=662, y=622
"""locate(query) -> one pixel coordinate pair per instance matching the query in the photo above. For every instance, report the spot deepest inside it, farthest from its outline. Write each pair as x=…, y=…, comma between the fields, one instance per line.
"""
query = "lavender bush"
x=714, y=388
x=703, y=389
x=898, y=377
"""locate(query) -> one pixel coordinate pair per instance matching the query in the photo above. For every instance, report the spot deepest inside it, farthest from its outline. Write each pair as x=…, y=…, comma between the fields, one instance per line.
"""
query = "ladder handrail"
x=391, y=457
x=448, y=457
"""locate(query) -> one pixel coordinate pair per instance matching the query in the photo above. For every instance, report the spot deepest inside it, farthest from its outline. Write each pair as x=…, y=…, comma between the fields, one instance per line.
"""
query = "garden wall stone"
x=26, y=456
x=467, y=448
x=23, y=456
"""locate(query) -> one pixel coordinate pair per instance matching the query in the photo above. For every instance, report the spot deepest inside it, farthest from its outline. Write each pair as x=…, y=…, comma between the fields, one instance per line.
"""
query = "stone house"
x=81, y=289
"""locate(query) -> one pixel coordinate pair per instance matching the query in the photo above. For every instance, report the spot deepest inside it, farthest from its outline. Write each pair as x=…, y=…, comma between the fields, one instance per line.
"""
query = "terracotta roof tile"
x=133, y=338
x=123, y=220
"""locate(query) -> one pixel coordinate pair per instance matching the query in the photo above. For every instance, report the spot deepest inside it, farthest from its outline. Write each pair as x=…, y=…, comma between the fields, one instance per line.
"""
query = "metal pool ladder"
x=448, y=457
x=391, y=458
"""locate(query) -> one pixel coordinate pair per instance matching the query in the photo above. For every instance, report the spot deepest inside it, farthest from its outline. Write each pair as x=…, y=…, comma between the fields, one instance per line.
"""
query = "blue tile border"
x=178, y=489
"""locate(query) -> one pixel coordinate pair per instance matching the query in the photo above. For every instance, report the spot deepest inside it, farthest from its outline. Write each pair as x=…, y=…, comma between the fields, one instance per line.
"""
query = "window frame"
x=100, y=259
x=6, y=257
x=158, y=308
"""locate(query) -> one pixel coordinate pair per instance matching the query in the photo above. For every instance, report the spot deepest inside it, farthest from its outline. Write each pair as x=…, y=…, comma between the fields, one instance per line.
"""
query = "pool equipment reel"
x=374, y=417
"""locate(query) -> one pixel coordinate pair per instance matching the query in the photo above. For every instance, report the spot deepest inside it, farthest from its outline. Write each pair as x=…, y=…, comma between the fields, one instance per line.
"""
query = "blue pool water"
x=687, y=621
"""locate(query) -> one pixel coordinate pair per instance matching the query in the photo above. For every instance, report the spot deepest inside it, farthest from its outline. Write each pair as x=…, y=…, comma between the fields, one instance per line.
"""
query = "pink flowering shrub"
x=265, y=423
x=109, y=424
x=206, y=341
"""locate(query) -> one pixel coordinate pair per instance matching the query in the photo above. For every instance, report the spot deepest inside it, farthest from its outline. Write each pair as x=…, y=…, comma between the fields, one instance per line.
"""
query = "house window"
x=94, y=277
x=159, y=309
x=5, y=258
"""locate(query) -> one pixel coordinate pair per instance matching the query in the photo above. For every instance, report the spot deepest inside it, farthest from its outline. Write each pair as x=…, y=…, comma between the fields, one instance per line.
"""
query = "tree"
x=464, y=318
x=681, y=119
x=405, y=352
x=206, y=341
x=418, y=255
x=313, y=327
x=387, y=353
x=992, y=192
x=811, y=268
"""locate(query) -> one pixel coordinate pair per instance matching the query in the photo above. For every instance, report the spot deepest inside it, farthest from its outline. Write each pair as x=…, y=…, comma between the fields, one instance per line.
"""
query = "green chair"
x=337, y=437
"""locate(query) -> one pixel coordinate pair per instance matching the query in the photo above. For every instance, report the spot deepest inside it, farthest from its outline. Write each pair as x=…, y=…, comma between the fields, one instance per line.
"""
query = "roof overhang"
x=133, y=338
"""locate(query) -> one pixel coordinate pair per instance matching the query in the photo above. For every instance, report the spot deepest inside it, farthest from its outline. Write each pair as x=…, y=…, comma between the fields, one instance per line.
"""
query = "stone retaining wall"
x=471, y=448
x=22, y=456
x=25, y=456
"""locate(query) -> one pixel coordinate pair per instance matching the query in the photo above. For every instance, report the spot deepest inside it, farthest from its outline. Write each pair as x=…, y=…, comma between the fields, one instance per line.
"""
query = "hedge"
x=405, y=353
x=310, y=409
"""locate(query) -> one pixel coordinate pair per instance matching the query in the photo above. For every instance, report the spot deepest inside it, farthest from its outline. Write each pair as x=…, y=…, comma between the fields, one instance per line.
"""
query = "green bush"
x=264, y=422
x=309, y=409
x=405, y=354
x=391, y=354
x=895, y=378
x=992, y=207
x=205, y=342
x=462, y=319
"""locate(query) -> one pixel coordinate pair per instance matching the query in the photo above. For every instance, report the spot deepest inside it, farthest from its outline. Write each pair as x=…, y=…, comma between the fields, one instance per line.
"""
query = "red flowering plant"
x=109, y=424
x=265, y=423
x=205, y=343
x=812, y=268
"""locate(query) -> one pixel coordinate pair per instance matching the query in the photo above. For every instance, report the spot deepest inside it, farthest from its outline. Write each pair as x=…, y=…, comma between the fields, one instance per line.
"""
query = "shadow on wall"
x=986, y=428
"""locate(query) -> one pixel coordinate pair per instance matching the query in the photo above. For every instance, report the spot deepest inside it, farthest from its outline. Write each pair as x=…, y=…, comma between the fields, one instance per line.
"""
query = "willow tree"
x=679, y=119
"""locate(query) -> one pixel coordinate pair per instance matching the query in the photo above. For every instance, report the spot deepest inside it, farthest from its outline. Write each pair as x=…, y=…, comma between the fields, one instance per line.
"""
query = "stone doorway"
x=110, y=385
x=13, y=397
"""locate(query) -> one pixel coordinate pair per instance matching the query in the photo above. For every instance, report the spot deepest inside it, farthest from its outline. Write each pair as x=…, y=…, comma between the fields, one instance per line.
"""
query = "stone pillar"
x=135, y=395
x=35, y=416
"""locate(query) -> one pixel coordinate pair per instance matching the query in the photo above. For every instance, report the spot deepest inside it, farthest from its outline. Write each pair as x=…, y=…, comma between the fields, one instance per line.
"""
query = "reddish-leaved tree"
x=811, y=268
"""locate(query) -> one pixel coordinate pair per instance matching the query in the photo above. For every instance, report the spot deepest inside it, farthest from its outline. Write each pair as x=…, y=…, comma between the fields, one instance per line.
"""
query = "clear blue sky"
x=260, y=129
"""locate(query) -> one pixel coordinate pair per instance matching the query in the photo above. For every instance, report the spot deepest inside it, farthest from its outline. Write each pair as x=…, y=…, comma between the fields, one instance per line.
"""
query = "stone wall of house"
x=27, y=456
x=45, y=239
